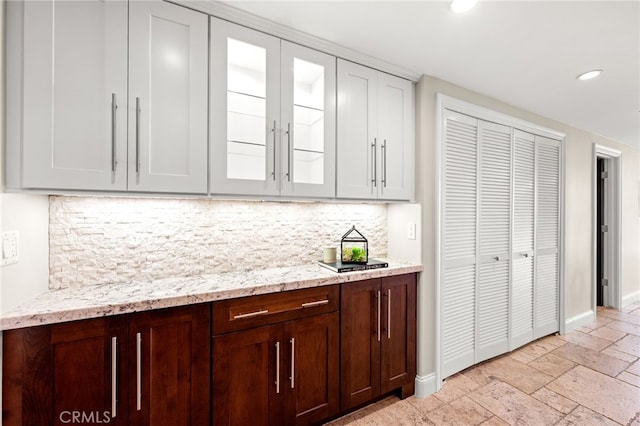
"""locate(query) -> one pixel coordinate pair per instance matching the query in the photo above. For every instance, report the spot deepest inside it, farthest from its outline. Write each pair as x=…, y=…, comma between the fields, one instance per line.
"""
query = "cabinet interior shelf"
x=309, y=107
x=247, y=143
x=246, y=94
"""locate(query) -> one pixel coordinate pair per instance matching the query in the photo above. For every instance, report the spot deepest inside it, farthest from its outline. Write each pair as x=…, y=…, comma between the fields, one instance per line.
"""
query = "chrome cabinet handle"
x=277, y=367
x=114, y=376
x=293, y=361
x=316, y=303
x=114, y=107
x=288, y=152
x=137, y=135
x=384, y=163
x=138, y=371
x=251, y=314
x=525, y=254
x=378, y=315
x=374, y=158
x=273, y=174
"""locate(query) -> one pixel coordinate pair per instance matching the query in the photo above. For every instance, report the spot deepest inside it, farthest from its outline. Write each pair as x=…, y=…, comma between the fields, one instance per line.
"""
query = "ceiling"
x=524, y=53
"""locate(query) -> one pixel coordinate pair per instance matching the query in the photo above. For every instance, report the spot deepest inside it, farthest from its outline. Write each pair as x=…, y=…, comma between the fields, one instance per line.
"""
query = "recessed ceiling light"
x=461, y=6
x=589, y=75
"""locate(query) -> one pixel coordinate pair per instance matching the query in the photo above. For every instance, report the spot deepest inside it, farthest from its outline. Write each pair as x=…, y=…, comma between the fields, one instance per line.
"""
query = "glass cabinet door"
x=244, y=110
x=308, y=122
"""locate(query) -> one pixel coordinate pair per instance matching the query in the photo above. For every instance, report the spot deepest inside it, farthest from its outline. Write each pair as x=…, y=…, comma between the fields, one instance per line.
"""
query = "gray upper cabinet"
x=72, y=124
x=272, y=115
x=67, y=95
x=375, y=147
x=168, y=52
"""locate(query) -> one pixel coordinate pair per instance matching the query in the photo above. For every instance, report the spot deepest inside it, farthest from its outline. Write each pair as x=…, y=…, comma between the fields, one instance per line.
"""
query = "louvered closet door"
x=458, y=269
x=494, y=230
x=523, y=237
x=547, y=236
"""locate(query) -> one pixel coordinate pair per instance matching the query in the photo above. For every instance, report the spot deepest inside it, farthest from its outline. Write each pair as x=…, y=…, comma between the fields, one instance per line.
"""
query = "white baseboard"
x=426, y=385
x=630, y=298
x=579, y=320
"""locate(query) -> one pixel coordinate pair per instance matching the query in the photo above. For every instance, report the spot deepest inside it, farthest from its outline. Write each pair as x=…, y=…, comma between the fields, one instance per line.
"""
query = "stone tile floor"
x=590, y=376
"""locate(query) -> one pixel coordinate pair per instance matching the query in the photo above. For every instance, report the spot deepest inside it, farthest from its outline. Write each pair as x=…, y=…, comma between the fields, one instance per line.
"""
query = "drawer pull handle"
x=114, y=107
x=114, y=376
x=251, y=314
x=277, y=367
x=293, y=361
x=138, y=371
x=316, y=303
x=389, y=314
x=378, y=297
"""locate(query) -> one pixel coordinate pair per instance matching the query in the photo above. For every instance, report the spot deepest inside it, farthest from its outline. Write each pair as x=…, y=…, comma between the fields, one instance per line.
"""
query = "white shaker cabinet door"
x=167, y=98
x=395, y=138
x=375, y=144
x=357, y=144
x=74, y=81
x=308, y=93
x=245, y=117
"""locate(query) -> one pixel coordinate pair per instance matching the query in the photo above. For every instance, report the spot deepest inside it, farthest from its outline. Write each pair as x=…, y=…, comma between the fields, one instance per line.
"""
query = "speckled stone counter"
x=93, y=301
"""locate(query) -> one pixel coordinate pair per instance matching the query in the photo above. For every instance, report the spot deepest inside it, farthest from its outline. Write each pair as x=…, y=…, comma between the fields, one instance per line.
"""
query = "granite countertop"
x=93, y=301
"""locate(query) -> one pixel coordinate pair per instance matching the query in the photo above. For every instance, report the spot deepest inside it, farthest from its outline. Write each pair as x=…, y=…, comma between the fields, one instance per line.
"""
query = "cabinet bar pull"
x=289, y=152
x=277, y=367
x=273, y=174
x=137, y=135
x=138, y=371
x=114, y=376
x=316, y=303
x=384, y=163
x=251, y=314
x=293, y=361
x=378, y=315
x=388, y=313
x=114, y=106
x=374, y=157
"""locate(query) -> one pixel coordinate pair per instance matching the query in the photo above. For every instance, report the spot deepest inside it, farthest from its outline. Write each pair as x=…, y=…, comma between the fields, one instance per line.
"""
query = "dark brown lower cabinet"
x=377, y=338
x=292, y=358
x=278, y=374
x=286, y=373
x=138, y=369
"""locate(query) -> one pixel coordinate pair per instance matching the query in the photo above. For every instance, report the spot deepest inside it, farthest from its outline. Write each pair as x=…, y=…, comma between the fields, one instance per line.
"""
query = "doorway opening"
x=601, y=230
x=606, y=214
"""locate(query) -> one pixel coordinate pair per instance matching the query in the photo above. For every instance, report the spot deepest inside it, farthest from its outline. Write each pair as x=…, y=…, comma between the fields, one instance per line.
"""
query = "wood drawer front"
x=254, y=311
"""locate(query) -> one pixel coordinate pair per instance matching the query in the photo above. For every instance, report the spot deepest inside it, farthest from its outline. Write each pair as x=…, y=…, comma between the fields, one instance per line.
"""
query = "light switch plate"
x=9, y=248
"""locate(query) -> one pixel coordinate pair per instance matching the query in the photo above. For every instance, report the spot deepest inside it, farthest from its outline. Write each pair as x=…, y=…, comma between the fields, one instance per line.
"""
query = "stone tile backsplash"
x=97, y=240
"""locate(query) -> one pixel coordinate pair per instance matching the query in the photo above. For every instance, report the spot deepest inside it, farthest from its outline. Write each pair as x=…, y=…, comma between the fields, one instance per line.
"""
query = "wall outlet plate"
x=411, y=231
x=9, y=248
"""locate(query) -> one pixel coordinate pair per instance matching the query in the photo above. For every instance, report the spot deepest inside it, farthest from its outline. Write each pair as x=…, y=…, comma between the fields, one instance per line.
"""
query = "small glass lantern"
x=354, y=247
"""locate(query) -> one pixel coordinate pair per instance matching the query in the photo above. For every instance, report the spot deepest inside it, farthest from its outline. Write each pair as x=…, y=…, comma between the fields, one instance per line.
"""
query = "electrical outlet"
x=9, y=248
x=411, y=231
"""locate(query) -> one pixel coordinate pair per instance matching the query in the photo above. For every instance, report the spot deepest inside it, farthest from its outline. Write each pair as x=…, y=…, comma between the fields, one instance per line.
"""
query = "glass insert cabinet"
x=273, y=115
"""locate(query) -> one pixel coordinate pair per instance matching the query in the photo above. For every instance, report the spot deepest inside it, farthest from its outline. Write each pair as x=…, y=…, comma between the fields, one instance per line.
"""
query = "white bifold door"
x=500, y=214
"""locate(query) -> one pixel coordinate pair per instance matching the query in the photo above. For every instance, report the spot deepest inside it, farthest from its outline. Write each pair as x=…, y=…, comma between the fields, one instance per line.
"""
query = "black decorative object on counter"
x=354, y=248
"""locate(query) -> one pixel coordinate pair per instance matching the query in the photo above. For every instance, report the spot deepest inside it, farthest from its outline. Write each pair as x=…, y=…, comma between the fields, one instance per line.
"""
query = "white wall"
x=29, y=215
x=399, y=216
x=578, y=205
